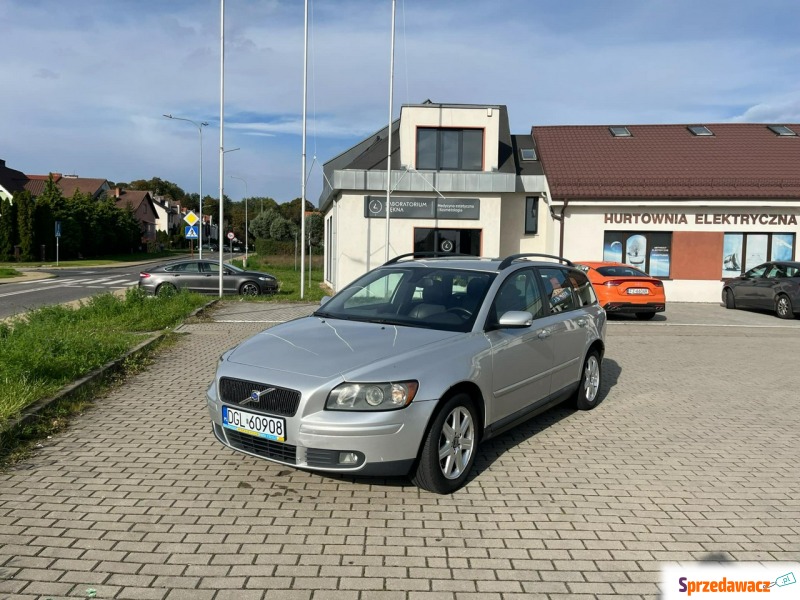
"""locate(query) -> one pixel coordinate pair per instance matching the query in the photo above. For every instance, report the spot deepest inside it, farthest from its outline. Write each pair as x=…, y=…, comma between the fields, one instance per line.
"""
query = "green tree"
x=25, y=222
x=315, y=231
x=260, y=225
x=160, y=187
x=282, y=230
x=8, y=229
x=291, y=210
x=49, y=207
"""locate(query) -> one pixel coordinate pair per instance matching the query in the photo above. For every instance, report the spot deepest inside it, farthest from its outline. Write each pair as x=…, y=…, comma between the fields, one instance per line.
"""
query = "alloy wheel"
x=456, y=443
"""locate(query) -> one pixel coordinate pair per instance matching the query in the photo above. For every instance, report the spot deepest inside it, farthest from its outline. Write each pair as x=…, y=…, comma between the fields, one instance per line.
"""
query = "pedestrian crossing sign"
x=191, y=232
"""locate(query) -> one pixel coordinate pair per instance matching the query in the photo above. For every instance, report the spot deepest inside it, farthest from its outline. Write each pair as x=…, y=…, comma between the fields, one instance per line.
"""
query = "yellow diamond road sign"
x=191, y=218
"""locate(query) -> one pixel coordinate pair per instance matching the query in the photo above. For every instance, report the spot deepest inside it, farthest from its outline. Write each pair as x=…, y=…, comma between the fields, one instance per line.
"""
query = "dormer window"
x=440, y=149
x=620, y=131
x=527, y=154
x=782, y=130
x=699, y=130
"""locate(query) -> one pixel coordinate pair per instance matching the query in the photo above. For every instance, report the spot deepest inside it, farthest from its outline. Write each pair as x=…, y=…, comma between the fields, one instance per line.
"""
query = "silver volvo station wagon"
x=408, y=368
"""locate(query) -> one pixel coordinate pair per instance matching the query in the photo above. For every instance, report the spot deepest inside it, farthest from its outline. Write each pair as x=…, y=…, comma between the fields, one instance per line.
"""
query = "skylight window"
x=527, y=153
x=781, y=130
x=620, y=131
x=699, y=130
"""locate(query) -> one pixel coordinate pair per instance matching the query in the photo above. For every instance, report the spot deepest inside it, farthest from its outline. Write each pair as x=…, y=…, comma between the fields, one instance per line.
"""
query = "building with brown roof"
x=692, y=204
x=68, y=184
x=141, y=202
x=11, y=181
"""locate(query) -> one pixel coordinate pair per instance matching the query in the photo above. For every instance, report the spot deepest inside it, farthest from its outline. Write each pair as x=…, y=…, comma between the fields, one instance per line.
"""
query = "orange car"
x=625, y=289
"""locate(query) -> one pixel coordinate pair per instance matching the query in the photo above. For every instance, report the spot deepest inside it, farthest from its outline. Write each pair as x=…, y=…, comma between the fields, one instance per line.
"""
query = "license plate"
x=643, y=291
x=269, y=428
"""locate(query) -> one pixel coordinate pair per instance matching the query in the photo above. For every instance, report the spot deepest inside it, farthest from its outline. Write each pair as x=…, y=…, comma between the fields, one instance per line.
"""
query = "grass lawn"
x=50, y=347
x=283, y=267
x=8, y=273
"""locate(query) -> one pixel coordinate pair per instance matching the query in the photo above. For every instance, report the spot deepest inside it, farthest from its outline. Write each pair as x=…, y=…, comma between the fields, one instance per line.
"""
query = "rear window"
x=621, y=271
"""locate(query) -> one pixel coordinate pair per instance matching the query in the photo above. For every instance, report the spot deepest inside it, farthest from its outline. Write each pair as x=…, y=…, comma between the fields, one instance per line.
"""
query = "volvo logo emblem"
x=255, y=396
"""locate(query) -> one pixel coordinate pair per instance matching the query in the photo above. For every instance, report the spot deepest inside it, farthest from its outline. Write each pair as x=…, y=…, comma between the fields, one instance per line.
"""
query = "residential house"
x=11, y=181
x=144, y=210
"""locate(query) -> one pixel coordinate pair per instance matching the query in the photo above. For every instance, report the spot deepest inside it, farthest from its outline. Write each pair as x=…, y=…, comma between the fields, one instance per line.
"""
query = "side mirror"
x=324, y=300
x=516, y=319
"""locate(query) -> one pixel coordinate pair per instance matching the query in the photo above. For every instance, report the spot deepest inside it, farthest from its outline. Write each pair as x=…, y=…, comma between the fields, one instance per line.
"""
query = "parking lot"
x=693, y=455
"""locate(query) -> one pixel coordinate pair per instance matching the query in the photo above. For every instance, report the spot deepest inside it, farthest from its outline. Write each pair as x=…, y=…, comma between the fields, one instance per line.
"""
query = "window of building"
x=449, y=149
x=620, y=131
x=527, y=153
x=531, y=214
x=647, y=251
x=743, y=251
x=699, y=130
x=458, y=241
x=781, y=130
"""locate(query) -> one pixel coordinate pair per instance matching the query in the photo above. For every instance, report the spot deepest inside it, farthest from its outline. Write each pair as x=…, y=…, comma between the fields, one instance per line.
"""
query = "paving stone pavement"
x=691, y=456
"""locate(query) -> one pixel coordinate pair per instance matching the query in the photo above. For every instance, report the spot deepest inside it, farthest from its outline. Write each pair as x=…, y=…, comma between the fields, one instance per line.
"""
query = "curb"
x=32, y=412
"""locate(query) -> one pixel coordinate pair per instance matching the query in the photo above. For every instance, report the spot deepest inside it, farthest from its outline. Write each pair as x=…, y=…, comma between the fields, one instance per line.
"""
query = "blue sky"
x=86, y=82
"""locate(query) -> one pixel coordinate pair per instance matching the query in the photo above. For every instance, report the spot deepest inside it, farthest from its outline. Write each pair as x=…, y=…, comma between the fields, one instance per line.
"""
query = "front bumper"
x=382, y=443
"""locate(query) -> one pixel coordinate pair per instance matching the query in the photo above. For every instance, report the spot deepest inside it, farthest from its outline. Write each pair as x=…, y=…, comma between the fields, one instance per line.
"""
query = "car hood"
x=323, y=348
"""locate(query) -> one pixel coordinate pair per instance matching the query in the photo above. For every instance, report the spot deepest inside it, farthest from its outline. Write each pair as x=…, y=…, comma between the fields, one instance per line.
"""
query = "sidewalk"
x=691, y=456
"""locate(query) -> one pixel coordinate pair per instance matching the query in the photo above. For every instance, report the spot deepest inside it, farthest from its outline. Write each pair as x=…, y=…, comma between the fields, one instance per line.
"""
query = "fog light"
x=348, y=458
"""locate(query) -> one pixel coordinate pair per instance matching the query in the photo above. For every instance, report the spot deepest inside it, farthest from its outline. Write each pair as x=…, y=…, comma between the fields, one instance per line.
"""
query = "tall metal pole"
x=303, y=181
x=389, y=151
x=199, y=126
x=221, y=137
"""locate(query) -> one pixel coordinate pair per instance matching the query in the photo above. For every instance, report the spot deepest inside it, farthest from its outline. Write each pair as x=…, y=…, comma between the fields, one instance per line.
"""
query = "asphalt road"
x=65, y=285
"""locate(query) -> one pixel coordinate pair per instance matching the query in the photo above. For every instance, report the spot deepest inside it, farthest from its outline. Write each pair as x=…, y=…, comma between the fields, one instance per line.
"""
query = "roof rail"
x=427, y=254
x=510, y=259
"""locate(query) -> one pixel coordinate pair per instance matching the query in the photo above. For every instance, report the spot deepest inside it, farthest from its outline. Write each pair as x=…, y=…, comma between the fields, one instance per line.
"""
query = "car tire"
x=249, y=288
x=443, y=467
x=642, y=316
x=783, y=307
x=587, y=396
x=166, y=289
x=727, y=295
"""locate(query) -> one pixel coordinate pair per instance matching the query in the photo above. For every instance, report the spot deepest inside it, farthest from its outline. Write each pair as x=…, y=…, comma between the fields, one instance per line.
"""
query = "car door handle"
x=543, y=334
x=582, y=322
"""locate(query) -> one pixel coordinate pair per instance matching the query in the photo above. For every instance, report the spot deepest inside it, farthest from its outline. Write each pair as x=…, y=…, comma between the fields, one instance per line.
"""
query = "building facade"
x=693, y=205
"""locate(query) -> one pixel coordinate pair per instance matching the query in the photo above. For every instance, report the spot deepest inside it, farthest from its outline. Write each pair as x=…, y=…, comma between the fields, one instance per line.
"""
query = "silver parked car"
x=203, y=276
x=408, y=368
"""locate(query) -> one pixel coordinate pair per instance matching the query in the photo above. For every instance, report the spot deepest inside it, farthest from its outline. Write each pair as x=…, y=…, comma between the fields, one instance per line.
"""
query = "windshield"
x=621, y=271
x=433, y=298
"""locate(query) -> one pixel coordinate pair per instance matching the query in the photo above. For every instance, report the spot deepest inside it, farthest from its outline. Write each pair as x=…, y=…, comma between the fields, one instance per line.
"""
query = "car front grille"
x=261, y=447
x=280, y=401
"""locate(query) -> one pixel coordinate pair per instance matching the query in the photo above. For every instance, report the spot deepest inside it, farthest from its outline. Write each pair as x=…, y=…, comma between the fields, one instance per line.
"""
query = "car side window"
x=776, y=271
x=210, y=267
x=756, y=272
x=583, y=288
x=558, y=289
x=792, y=272
x=518, y=292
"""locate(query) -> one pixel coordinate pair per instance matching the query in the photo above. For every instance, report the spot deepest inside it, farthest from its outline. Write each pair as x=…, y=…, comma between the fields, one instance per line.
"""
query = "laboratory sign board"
x=410, y=207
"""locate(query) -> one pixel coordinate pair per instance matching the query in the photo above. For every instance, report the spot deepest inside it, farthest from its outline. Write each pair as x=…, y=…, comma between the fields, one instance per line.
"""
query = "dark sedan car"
x=203, y=276
x=772, y=286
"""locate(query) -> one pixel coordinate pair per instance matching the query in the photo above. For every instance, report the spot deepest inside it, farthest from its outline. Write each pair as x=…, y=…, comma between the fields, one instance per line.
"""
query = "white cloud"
x=87, y=83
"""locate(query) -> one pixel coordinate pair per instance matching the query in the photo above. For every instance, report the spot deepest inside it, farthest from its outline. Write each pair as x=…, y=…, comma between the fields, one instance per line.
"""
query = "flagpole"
x=389, y=150
x=303, y=179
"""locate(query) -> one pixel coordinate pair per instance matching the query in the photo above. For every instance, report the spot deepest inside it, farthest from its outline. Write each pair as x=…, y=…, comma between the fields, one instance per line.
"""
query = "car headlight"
x=267, y=278
x=372, y=396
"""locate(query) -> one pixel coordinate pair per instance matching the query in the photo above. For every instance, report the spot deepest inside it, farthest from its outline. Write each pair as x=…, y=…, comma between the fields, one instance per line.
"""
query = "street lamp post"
x=199, y=126
x=246, y=230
